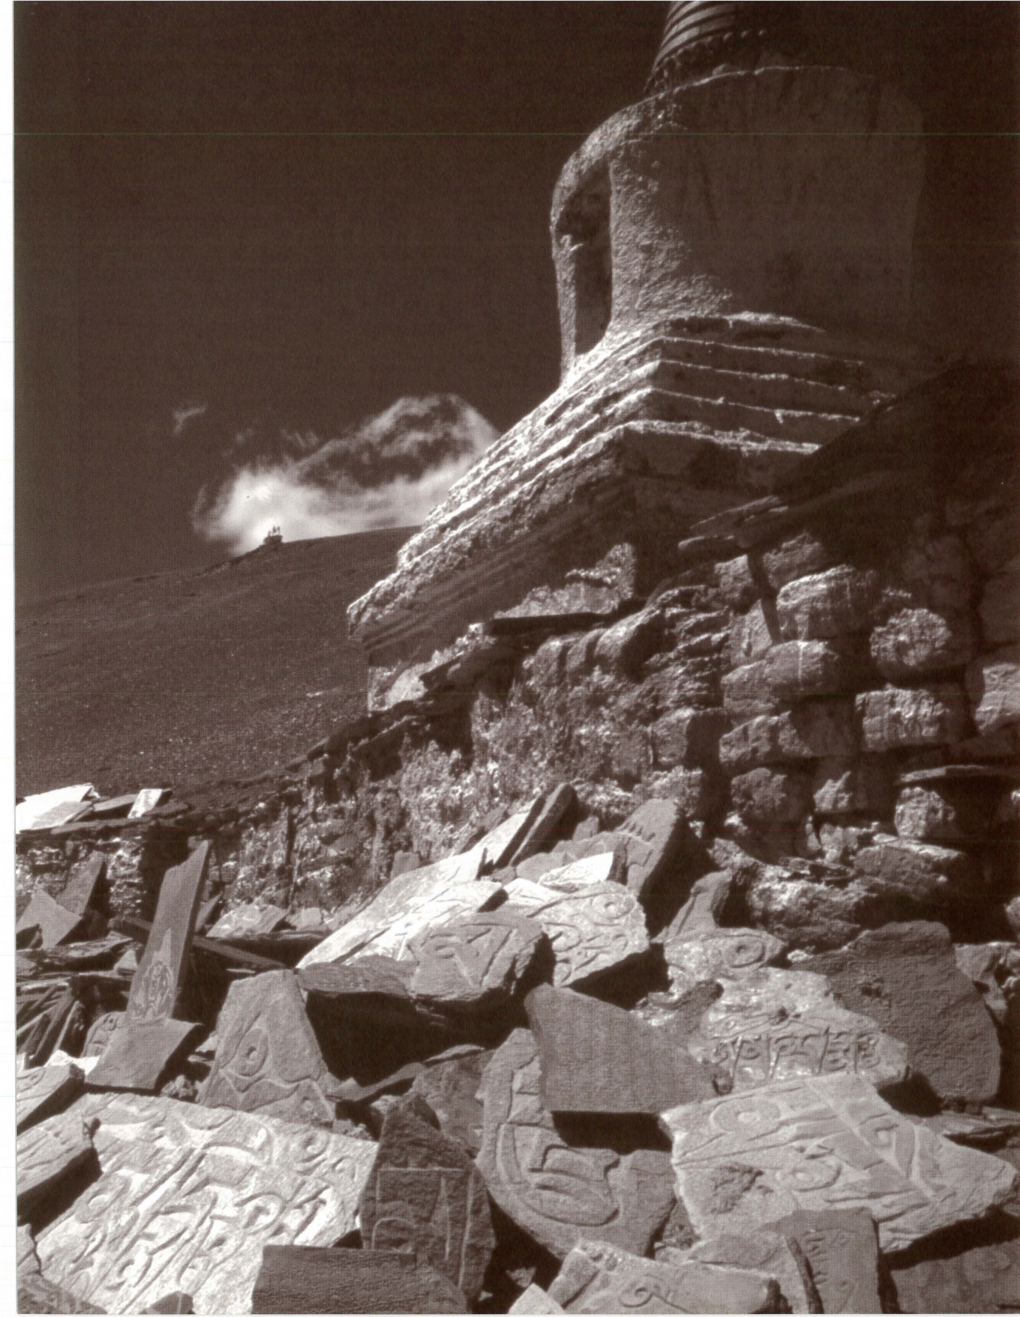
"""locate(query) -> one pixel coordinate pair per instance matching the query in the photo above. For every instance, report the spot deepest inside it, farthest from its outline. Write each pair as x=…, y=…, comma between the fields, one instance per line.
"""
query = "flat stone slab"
x=425, y=1195
x=653, y=834
x=505, y=838
x=188, y=1196
x=268, y=1058
x=785, y=1024
x=841, y=1253
x=719, y=953
x=905, y=977
x=366, y=977
x=80, y=890
x=592, y=930
x=47, y=1152
x=534, y=1301
x=407, y=905
x=474, y=963
x=544, y=822
x=451, y=1090
x=296, y=1280
x=54, y=921
x=596, y=1277
x=597, y=1057
x=45, y=1091
x=984, y=1279
x=248, y=921
x=766, y=1251
x=750, y=1159
x=561, y=1194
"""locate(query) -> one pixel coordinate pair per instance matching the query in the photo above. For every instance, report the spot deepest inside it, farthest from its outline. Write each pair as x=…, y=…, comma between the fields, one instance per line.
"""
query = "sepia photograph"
x=517, y=657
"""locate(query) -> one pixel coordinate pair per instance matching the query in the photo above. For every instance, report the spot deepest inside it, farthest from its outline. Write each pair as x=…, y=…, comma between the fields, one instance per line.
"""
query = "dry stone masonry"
x=650, y=942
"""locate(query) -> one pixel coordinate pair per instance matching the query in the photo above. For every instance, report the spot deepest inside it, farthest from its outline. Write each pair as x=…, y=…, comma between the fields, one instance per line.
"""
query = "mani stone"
x=534, y=1301
x=778, y=1024
x=546, y=821
x=474, y=962
x=981, y=1279
x=80, y=890
x=425, y=1196
x=148, y=1036
x=451, y=1088
x=653, y=835
x=248, y=921
x=267, y=1058
x=765, y=1250
x=47, y=1152
x=592, y=929
x=434, y=895
x=45, y=1091
x=100, y=1032
x=905, y=977
x=597, y=1057
x=840, y=1249
x=296, y=1280
x=557, y=1193
x=596, y=1277
x=719, y=953
x=54, y=921
x=37, y=1294
x=188, y=1196
x=750, y=1159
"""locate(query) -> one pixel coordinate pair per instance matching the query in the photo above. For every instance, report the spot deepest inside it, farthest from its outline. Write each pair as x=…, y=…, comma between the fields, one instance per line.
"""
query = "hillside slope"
x=191, y=676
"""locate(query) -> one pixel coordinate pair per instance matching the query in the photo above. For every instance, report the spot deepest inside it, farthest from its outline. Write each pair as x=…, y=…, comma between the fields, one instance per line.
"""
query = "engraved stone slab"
x=148, y=1036
x=434, y=895
x=605, y=866
x=268, y=1058
x=905, y=977
x=719, y=953
x=367, y=976
x=534, y=1300
x=54, y=921
x=781, y=1024
x=248, y=921
x=451, y=1089
x=597, y=1057
x=985, y=1279
x=45, y=1091
x=841, y=1252
x=100, y=1032
x=47, y=1152
x=359, y=1280
x=816, y=1144
x=474, y=962
x=561, y=1194
x=596, y=1277
x=424, y=1195
x=77, y=896
x=653, y=834
x=552, y=809
x=591, y=930
x=189, y=1195
x=763, y=1250
x=701, y=911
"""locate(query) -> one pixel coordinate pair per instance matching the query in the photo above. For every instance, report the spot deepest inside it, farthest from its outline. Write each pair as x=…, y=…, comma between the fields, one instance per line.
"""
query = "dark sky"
x=296, y=213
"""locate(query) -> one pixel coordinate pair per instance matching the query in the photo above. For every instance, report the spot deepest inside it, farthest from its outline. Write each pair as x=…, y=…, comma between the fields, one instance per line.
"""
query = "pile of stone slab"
x=548, y=1073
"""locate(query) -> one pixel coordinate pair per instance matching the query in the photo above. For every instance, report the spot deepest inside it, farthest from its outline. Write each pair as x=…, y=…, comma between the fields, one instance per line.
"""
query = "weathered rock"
x=993, y=687
x=505, y=838
x=425, y=1196
x=916, y=641
x=474, y=963
x=596, y=1277
x=943, y=812
x=28, y=1259
x=625, y=645
x=812, y=730
x=605, y=863
x=541, y=829
x=735, y=582
x=702, y=910
x=176, y=1302
x=841, y=1252
x=100, y=1032
x=689, y=738
x=534, y=1300
x=719, y=953
x=929, y=875
x=83, y=885
x=982, y=1278
x=366, y=977
x=407, y=905
x=983, y=964
x=772, y=797
x=747, y=693
x=802, y=555
x=48, y=1152
x=188, y=1196
x=854, y=786
x=653, y=834
x=592, y=930
x=451, y=1091
x=773, y=1024
x=302, y=1279
x=597, y=1057
x=766, y=1251
x=37, y=1294
x=1000, y=605
x=837, y=602
x=895, y=719
x=45, y=1091
x=904, y=976
x=267, y=1059
x=148, y=1036
x=560, y=1194
x=54, y=922
x=750, y=1159
x=752, y=635
x=248, y=921
x=806, y=669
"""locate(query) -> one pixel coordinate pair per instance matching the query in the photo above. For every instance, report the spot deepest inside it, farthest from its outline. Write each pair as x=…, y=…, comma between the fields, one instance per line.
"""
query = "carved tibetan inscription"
x=189, y=1195
x=267, y=1058
x=561, y=1194
x=592, y=930
x=822, y=1144
x=474, y=962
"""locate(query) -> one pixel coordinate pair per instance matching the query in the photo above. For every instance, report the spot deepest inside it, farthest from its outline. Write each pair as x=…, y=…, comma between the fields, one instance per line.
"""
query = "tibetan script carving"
x=591, y=930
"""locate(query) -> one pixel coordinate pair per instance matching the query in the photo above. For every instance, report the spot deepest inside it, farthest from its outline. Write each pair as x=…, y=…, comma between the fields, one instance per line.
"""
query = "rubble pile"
x=652, y=941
